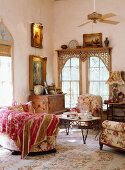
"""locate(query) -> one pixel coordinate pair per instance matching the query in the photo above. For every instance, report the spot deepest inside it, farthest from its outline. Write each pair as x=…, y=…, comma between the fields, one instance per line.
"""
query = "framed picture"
x=92, y=40
x=46, y=88
x=46, y=91
x=36, y=35
x=45, y=84
x=37, y=71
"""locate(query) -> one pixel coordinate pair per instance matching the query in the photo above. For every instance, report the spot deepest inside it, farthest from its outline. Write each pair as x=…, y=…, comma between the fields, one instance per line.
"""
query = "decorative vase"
x=38, y=89
x=64, y=46
x=106, y=42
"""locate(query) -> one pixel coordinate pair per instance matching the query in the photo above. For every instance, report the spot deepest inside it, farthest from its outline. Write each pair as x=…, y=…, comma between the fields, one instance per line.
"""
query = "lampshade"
x=115, y=78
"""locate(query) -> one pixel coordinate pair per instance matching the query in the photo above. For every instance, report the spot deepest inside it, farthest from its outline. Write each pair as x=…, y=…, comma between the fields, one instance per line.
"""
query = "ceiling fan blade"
x=84, y=23
x=108, y=15
x=109, y=22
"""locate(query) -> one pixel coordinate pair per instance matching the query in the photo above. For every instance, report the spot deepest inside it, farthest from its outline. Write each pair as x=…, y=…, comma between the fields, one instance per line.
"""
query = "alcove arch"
x=6, y=65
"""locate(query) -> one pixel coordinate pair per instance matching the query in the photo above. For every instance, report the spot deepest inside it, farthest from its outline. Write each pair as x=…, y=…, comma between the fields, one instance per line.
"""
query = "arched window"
x=70, y=79
x=98, y=74
x=6, y=68
x=95, y=76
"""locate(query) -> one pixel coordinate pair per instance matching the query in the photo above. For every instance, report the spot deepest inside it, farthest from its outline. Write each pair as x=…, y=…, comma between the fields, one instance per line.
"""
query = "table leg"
x=97, y=135
x=67, y=126
x=84, y=135
x=98, y=128
x=112, y=113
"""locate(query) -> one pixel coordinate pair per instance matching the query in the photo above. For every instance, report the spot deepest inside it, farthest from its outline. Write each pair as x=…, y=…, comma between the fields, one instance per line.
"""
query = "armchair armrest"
x=112, y=125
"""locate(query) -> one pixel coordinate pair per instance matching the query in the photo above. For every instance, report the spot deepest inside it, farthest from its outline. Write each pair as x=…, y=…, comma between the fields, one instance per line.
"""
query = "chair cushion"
x=91, y=103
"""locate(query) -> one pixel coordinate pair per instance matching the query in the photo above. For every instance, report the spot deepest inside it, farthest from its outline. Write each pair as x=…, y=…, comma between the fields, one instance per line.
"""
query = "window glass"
x=66, y=73
x=75, y=73
x=103, y=74
x=67, y=63
x=94, y=74
x=94, y=62
x=94, y=88
x=75, y=62
x=70, y=82
x=66, y=87
x=75, y=87
x=67, y=101
x=97, y=77
x=73, y=100
x=6, y=86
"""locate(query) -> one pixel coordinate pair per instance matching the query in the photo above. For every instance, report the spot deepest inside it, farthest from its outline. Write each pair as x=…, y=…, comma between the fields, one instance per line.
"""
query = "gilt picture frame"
x=92, y=40
x=36, y=35
x=37, y=70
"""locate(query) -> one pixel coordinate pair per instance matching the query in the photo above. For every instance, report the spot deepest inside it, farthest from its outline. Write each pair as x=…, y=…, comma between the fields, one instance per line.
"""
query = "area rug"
x=71, y=154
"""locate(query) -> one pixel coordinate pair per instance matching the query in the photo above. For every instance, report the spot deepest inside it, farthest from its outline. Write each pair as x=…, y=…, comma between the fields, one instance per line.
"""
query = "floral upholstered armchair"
x=113, y=134
x=91, y=103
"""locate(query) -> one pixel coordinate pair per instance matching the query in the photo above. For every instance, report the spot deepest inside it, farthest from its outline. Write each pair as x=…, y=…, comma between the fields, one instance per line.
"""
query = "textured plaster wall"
x=69, y=14
x=17, y=16
x=60, y=21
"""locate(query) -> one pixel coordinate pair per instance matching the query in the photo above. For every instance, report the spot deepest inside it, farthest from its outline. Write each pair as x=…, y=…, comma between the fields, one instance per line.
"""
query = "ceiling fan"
x=97, y=17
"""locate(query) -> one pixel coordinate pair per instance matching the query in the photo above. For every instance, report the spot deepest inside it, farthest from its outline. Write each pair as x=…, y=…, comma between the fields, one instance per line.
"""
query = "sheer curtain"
x=6, y=85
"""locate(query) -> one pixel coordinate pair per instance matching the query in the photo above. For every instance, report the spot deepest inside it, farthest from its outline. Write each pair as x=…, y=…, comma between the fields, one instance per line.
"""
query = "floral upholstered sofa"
x=113, y=134
x=23, y=130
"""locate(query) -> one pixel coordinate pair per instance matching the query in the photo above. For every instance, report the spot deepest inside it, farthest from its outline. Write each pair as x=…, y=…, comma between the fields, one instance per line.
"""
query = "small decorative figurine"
x=106, y=42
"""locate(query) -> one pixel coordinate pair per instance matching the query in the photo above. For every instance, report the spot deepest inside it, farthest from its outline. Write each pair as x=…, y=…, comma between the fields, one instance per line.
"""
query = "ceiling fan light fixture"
x=94, y=16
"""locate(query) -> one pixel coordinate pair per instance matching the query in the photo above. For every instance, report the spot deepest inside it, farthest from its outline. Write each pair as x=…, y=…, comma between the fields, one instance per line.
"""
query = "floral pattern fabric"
x=28, y=129
x=113, y=134
x=91, y=103
x=48, y=144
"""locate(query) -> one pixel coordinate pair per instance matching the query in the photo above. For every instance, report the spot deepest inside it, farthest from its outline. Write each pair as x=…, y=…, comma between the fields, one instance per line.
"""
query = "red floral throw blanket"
x=27, y=129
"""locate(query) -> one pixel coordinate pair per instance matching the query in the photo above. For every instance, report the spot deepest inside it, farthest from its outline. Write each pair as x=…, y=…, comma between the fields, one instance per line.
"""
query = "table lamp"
x=115, y=79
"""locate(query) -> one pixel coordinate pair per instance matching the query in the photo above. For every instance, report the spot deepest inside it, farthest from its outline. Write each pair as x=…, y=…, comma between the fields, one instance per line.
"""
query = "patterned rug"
x=71, y=154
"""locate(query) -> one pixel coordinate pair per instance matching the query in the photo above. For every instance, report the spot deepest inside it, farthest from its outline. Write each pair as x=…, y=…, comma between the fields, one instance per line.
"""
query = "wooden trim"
x=5, y=50
x=87, y=79
x=80, y=76
x=85, y=49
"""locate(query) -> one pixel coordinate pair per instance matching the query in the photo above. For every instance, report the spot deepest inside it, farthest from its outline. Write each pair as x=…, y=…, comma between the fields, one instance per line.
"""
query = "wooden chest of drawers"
x=48, y=103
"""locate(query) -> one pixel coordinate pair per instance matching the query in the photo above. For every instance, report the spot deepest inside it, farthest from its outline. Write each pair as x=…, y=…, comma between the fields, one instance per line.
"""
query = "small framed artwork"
x=46, y=91
x=36, y=35
x=37, y=71
x=92, y=40
x=46, y=88
x=45, y=84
